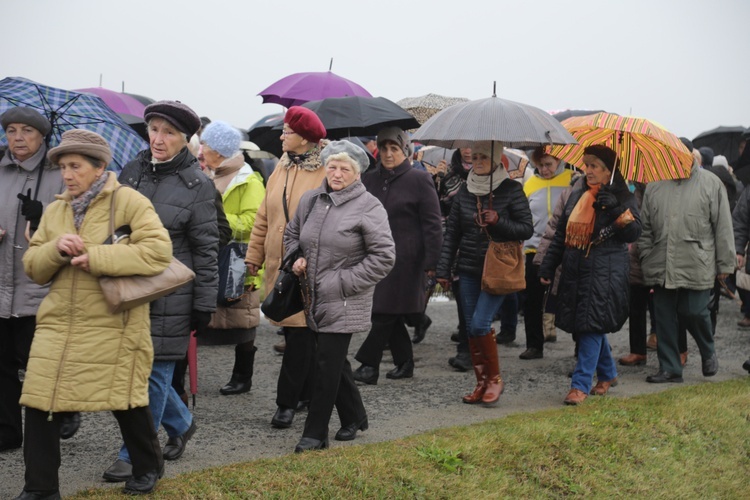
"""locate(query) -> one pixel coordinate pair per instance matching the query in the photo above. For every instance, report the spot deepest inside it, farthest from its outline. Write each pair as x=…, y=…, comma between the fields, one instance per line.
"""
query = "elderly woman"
x=469, y=228
x=83, y=358
x=591, y=241
x=413, y=209
x=184, y=199
x=27, y=183
x=242, y=192
x=348, y=226
x=299, y=170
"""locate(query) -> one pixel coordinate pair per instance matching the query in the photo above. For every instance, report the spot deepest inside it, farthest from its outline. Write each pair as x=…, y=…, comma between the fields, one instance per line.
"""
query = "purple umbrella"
x=300, y=88
x=118, y=102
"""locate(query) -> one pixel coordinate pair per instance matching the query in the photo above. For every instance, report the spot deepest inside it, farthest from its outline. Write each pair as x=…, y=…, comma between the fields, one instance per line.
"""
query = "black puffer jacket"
x=462, y=234
x=185, y=200
x=594, y=291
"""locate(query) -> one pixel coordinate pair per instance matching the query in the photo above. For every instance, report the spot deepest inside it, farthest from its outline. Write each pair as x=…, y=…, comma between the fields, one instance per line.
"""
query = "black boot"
x=242, y=373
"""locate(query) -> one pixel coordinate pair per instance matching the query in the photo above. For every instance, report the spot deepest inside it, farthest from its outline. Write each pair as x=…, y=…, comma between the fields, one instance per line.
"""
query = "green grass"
x=689, y=442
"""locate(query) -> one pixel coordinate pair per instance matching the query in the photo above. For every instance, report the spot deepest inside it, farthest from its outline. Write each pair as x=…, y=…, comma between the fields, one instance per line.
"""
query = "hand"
x=252, y=269
x=607, y=200
x=545, y=281
x=740, y=261
x=722, y=277
x=199, y=321
x=442, y=168
x=30, y=209
x=300, y=266
x=489, y=217
x=70, y=245
x=445, y=284
x=81, y=261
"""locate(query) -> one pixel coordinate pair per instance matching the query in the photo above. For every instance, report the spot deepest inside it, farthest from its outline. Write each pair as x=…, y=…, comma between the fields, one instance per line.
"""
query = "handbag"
x=285, y=299
x=126, y=292
x=232, y=271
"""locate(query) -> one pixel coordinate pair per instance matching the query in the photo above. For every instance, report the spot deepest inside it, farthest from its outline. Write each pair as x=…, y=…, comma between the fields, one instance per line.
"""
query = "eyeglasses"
x=288, y=132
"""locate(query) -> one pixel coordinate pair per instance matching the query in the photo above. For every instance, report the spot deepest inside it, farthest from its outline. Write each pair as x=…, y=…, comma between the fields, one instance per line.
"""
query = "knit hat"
x=490, y=150
x=605, y=154
x=397, y=136
x=27, y=116
x=181, y=116
x=222, y=138
x=354, y=152
x=305, y=123
x=82, y=142
x=707, y=156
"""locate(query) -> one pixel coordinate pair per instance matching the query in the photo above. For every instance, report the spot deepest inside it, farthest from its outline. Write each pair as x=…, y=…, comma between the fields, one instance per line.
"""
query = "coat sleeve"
x=549, y=231
x=451, y=239
x=721, y=218
x=203, y=236
x=741, y=224
x=430, y=222
x=42, y=260
x=256, y=248
x=517, y=223
x=646, y=240
x=242, y=223
x=553, y=257
x=292, y=230
x=225, y=231
x=630, y=232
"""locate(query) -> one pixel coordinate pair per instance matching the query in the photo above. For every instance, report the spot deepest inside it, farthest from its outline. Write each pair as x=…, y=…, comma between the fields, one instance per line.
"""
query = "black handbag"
x=232, y=271
x=285, y=299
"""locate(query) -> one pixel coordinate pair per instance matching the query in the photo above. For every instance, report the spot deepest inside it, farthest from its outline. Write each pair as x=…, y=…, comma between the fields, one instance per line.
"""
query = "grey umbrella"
x=492, y=119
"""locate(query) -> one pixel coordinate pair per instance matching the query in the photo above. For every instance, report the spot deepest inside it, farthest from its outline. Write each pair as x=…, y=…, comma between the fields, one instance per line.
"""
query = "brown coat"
x=266, y=240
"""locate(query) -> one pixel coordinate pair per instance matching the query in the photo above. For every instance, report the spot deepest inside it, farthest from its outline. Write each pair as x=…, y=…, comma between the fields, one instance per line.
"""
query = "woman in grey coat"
x=346, y=247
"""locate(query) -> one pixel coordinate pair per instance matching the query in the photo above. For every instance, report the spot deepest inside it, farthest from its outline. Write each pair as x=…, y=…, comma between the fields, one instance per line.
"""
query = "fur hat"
x=490, y=149
x=181, y=116
x=27, y=116
x=305, y=123
x=354, y=152
x=82, y=142
x=605, y=154
x=222, y=138
x=397, y=136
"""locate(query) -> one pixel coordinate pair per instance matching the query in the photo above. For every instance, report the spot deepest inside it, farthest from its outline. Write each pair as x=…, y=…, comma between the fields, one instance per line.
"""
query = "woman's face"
x=165, y=140
x=547, y=167
x=23, y=140
x=211, y=158
x=340, y=174
x=596, y=171
x=481, y=164
x=78, y=173
x=391, y=155
x=291, y=141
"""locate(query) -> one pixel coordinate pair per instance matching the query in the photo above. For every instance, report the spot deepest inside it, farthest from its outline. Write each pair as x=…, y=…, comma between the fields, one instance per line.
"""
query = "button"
x=385, y=188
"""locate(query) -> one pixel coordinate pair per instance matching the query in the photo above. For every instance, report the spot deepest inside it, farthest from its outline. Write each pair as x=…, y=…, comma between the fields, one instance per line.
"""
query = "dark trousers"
x=386, y=328
x=639, y=297
x=15, y=343
x=333, y=384
x=297, y=365
x=463, y=338
x=533, y=306
x=41, y=450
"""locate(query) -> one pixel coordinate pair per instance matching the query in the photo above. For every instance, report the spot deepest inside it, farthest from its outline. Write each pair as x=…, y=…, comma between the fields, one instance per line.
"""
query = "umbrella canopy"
x=569, y=113
x=263, y=134
x=425, y=107
x=492, y=119
x=141, y=98
x=646, y=151
x=118, y=102
x=723, y=140
x=67, y=110
x=299, y=88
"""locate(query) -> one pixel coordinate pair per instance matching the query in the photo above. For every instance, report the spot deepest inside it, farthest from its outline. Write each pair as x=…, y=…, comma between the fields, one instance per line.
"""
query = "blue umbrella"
x=67, y=110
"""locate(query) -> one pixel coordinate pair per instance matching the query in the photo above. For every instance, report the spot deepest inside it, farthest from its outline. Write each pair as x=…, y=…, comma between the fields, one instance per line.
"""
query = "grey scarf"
x=480, y=184
x=81, y=203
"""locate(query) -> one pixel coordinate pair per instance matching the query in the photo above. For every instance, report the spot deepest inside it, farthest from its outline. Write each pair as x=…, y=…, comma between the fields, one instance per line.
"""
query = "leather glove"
x=489, y=217
x=30, y=209
x=199, y=321
x=607, y=200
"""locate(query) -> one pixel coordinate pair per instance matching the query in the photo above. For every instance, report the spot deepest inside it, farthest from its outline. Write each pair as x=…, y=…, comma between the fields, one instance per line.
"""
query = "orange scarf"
x=580, y=226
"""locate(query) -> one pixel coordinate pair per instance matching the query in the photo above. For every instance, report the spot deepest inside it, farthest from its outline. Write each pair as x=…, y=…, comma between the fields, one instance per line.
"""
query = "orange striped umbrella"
x=647, y=152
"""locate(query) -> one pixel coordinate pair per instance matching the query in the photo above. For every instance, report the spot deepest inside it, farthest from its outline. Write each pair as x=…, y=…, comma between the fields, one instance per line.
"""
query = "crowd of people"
x=368, y=244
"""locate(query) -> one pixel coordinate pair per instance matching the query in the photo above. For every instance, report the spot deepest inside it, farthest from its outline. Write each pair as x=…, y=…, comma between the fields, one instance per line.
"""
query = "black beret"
x=27, y=116
x=176, y=113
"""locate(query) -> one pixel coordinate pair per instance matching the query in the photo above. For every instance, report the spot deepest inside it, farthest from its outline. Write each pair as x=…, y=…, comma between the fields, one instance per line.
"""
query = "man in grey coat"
x=686, y=244
x=28, y=183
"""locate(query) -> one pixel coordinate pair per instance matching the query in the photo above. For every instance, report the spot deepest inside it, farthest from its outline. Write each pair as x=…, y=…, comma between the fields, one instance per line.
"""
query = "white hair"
x=343, y=156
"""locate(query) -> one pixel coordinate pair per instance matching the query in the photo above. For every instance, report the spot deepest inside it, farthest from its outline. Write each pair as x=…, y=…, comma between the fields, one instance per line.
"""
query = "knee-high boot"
x=242, y=373
x=495, y=385
x=477, y=360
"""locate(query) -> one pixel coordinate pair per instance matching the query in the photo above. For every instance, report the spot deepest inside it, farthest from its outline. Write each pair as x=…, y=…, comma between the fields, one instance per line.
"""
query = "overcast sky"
x=682, y=63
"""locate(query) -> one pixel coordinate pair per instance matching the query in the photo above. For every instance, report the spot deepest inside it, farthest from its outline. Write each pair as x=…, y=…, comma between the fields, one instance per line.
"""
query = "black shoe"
x=302, y=406
x=349, y=432
x=366, y=374
x=309, y=444
x=237, y=385
x=39, y=495
x=10, y=444
x=461, y=362
x=406, y=370
x=69, y=424
x=144, y=484
x=661, y=377
x=118, y=472
x=283, y=418
x=532, y=353
x=505, y=337
x=746, y=366
x=420, y=330
x=710, y=366
x=175, y=446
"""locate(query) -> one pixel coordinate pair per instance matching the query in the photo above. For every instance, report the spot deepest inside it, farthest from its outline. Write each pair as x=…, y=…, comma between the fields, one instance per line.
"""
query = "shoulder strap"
x=112, y=213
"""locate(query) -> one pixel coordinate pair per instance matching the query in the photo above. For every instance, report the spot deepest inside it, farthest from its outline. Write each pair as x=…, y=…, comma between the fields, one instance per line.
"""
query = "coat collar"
x=353, y=190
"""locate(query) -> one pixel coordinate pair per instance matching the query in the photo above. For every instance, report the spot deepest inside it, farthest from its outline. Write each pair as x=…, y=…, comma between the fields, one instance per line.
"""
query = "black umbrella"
x=357, y=116
x=723, y=140
x=266, y=133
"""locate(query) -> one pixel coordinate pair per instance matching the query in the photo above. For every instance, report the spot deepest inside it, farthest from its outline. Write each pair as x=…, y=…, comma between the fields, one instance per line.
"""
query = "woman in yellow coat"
x=83, y=358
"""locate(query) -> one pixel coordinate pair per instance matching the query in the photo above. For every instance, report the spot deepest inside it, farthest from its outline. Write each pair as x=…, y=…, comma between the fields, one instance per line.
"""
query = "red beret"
x=305, y=123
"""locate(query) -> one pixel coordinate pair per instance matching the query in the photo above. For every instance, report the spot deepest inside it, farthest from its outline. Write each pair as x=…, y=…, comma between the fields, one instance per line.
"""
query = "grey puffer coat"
x=19, y=296
x=346, y=239
x=184, y=199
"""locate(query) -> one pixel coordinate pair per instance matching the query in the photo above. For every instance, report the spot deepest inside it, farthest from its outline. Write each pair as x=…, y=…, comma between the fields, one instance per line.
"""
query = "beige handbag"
x=126, y=292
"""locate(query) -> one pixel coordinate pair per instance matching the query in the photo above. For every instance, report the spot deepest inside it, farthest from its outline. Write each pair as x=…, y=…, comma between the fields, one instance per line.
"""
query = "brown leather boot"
x=477, y=360
x=495, y=385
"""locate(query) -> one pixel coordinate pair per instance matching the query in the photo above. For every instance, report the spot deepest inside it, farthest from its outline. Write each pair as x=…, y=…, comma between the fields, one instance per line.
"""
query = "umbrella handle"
x=27, y=232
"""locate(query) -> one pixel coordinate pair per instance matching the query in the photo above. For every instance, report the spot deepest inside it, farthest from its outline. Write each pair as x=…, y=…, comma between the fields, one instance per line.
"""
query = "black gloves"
x=31, y=209
x=606, y=200
x=199, y=321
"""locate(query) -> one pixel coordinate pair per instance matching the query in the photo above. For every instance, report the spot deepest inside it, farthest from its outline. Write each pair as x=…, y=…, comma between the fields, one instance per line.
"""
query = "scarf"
x=81, y=203
x=227, y=171
x=480, y=184
x=309, y=161
x=581, y=221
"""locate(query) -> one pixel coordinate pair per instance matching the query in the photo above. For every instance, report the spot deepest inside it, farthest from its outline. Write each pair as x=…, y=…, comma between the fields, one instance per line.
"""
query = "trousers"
x=390, y=329
x=297, y=367
x=15, y=343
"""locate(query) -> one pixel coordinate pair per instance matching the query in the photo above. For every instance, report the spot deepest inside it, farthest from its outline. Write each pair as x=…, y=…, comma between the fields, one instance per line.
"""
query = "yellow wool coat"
x=83, y=358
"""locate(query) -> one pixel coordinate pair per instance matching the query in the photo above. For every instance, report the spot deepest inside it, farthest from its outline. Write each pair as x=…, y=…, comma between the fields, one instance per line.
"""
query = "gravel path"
x=237, y=428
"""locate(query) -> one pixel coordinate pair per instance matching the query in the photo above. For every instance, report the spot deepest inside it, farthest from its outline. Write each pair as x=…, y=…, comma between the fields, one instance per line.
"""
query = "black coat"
x=410, y=199
x=594, y=291
x=464, y=236
x=185, y=200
